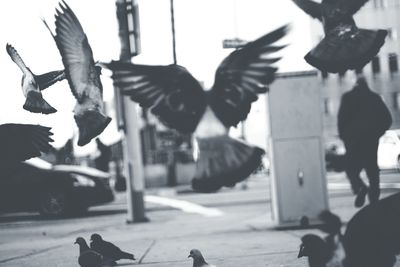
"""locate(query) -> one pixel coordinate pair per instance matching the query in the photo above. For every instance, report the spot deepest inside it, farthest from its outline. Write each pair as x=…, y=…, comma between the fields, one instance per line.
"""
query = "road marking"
x=347, y=186
x=185, y=206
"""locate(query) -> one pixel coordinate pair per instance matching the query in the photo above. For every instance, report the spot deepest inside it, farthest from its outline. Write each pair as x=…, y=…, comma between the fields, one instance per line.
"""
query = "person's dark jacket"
x=362, y=115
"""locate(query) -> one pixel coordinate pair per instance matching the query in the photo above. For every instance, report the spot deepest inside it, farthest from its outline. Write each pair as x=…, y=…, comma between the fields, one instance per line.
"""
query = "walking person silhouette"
x=363, y=118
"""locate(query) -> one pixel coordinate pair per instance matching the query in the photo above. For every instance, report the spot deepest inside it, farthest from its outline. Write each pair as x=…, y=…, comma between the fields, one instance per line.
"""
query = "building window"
x=376, y=65
x=392, y=34
x=328, y=108
x=380, y=3
x=396, y=100
x=393, y=62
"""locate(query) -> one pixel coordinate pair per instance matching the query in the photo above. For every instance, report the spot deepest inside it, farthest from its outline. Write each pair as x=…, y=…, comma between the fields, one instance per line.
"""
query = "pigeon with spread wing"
x=19, y=142
x=32, y=84
x=345, y=46
x=179, y=101
x=82, y=74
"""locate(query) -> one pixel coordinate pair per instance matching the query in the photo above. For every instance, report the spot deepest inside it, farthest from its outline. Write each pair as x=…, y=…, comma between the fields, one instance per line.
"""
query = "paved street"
x=231, y=228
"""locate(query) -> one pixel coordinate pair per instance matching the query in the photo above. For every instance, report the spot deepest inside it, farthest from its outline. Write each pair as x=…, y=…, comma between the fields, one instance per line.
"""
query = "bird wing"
x=172, y=94
x=48, y=79
x=242, y=75
x=310, y=7
x=16, y=57
x=76, y=53
x=20, y=142
x=350, y=7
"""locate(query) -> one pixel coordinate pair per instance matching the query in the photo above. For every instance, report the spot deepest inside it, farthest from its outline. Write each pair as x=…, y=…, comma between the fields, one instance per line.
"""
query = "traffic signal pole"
x=127, y=16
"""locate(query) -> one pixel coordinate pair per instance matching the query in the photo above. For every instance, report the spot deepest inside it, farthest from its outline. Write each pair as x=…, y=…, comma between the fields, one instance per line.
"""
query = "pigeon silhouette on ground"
x=109, y=251
x=198, y=259
x=82, y=74
x=316, y=249
x=87, y=256
x=372, y=236
x=178, y=100
x=345, y=46
x=328, y=251
x=32, y=84
x=371, y=239
x=19, y=142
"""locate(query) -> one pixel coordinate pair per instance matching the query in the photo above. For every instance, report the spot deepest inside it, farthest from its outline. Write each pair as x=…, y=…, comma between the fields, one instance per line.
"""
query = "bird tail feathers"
x=126, y=255
x=35, y=103
x=224, y=161
x=90, y=124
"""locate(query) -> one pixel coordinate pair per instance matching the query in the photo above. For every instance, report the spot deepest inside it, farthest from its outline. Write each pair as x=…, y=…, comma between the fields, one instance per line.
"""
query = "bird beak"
x=301, y=251
x=75, y=242
x=190, y=256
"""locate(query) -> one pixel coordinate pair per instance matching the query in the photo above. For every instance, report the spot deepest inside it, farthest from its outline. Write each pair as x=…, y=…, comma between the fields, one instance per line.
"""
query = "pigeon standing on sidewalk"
x=87, y=256
x=32, y=84
x=345, y=46
x=327, y=252
x=198, y=259
x=178, y=100
x=82, y=74
x=108, y=250
x=19, y=142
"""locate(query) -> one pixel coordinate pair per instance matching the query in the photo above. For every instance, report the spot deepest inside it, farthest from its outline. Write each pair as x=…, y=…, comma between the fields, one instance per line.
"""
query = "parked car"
x=389, y=151
x=37, y=185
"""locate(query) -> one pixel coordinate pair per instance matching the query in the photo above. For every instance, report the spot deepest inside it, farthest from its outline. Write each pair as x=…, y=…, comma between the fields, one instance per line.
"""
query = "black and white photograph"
x=174, y=133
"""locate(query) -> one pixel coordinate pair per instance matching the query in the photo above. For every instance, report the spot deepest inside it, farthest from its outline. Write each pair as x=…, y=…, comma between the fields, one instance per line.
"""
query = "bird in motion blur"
x=345, y=46
x=19, y=142
x=82, y=74
x=178, y=100
x=32, y=84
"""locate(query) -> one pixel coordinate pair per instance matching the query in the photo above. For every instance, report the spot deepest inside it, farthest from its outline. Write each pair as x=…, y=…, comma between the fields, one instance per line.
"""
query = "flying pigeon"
x=178, y=100
x=82, y=74
x=87, y=257
x=19, y=142
x=198, y=259
x=327, y=252
x=345, y=46
x=108, y=250
x=32, y=84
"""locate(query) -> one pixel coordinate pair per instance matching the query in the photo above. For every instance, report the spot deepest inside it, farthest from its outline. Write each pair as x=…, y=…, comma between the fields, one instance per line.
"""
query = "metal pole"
x=173, y=30
x=133, y=161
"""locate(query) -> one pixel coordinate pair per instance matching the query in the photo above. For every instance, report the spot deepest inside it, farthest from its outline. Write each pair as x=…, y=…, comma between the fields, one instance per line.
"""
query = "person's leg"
x=353, y=168
x=355, y=163
x=372, y=170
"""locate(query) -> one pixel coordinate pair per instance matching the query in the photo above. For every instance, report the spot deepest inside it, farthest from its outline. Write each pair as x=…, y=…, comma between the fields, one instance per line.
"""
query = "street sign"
x=233, y=43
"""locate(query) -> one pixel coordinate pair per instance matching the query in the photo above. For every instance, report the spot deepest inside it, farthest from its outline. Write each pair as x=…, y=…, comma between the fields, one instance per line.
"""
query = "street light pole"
x=173, y=30
x=133, y=162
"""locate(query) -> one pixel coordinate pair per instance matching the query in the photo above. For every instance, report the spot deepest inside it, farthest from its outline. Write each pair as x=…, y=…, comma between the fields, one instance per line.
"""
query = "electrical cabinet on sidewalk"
x=296, y=153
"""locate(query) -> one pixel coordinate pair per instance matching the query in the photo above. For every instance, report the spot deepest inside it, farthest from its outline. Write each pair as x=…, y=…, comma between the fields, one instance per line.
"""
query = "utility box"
x=298, y=177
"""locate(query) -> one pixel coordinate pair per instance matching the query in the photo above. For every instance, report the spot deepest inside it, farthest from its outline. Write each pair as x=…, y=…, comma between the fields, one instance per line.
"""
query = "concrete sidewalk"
x=242, y=236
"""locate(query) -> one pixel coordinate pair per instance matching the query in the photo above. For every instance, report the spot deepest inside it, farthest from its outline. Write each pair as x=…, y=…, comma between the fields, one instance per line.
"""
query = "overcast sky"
x=201, y=25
